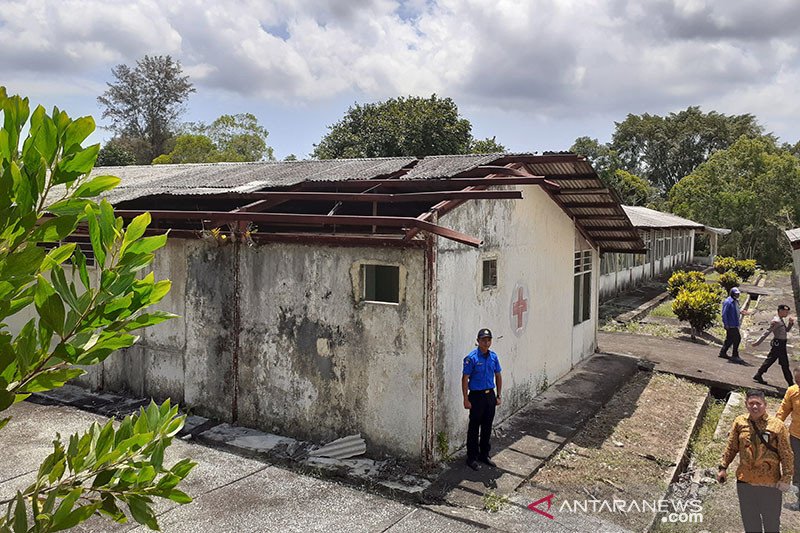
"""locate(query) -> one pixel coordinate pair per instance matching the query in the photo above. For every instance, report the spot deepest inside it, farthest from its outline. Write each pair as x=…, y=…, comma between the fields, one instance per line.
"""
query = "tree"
x=663, y=150
x=753, y=188
x=486, y=146
x=404, y=126
x=229, y=138
x=115, y=154
x=75, y=320
x=631, y=189
x=145, y=102
x=697, y=304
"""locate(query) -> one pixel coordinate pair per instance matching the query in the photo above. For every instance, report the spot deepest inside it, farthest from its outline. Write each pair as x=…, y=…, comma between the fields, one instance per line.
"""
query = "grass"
x=494, y=502
x=664, y=310
x=706, y=455
x=655, y=330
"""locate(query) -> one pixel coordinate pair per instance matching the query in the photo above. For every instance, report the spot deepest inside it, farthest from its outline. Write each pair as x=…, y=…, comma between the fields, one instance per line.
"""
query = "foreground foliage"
x=680, y=279
x=73, y=316
x=698, y=305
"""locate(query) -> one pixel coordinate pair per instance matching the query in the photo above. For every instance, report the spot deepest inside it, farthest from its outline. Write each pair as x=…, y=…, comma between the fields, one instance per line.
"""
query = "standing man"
x=765, y=467
x=481, y=370
x=778, y=327
x=732, y=319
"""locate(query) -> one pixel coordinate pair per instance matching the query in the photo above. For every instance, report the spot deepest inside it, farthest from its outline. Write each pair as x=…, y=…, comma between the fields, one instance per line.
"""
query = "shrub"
x=698, y=306
x=729, y=280
x=681, y=278
x=745, y=268
x=723, y=264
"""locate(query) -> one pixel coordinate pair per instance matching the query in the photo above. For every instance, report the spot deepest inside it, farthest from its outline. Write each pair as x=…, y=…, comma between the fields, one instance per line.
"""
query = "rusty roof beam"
x=308, y=220
x=381, y=197
x=421, y=184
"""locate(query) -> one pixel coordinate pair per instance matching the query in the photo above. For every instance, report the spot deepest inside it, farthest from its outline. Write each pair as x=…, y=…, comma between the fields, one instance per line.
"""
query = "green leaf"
x=179, y=497
x=77, y=164
x=96, y=237
x=64, y=509
x=142, y=512
x=49, y=305
x=24, y=262
x=70, y=206
x=95, y=186
x=76, y=132
x=107, y=224
x=52, y=379
x=79, y=260
x=6, y=399
x=135, y=229
x=20, y=515
x=55, y=229
x=4, y=421
x=81, y=514
x=183, y=467
x=56, y=256
x=146, y=245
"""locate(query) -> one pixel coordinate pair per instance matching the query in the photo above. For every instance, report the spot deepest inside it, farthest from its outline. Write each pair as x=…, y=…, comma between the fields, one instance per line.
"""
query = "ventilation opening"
x=381, y=283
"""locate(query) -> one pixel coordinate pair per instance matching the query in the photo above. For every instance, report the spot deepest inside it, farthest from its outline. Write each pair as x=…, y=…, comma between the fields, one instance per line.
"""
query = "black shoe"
x=758, y=379
x=487, y=461
x=473, y=464
x=724, y=356
x=738, y=361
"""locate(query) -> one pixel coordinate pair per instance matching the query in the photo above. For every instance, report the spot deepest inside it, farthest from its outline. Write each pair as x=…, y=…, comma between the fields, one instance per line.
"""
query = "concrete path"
x=698, y=360
x=231, y=493
x=525, y=441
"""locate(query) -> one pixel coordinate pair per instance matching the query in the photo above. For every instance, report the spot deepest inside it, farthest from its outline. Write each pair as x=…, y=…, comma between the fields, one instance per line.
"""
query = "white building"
x=334, y=300
x=669, y=240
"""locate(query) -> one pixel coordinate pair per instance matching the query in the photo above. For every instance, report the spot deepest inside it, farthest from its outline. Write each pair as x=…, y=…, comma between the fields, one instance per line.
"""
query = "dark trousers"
x=481, y=416
x=732, y=339
x=796, y=450
x=760, y=507
x=778, y=353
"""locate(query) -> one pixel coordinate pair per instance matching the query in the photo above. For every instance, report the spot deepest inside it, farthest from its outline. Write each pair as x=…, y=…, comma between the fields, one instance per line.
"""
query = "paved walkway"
x=699, y=361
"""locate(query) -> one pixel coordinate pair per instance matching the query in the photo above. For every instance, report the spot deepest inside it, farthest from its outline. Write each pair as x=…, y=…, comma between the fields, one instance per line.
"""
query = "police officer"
x=481, y=370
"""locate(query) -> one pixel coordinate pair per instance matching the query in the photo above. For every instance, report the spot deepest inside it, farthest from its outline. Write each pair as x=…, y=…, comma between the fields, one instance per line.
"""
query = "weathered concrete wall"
x=533, y=242
x=277, y=338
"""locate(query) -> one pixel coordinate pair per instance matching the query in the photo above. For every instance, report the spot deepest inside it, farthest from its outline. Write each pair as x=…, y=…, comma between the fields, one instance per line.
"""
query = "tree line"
x=717, y=169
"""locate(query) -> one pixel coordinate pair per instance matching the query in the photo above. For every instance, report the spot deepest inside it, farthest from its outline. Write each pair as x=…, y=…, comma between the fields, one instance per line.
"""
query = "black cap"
x=784, y=307
x=485, y=332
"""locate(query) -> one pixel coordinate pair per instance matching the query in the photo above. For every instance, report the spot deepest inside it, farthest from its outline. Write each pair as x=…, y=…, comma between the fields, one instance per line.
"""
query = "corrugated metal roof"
x=596, y=210
x=793, y=235
x=643, y=217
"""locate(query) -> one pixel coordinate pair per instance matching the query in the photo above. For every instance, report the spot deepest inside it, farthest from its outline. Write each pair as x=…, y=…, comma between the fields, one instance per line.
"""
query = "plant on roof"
x=72, y=318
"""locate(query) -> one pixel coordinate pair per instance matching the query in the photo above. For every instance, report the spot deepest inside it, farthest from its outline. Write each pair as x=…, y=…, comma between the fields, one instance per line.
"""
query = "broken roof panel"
x=794, y=237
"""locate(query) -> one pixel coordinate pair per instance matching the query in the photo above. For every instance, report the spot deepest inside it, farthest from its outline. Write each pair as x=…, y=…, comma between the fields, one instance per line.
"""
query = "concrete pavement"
x=231, y=493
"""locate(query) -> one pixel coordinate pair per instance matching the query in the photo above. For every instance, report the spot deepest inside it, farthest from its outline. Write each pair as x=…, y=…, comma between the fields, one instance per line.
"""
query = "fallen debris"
x=343, y=448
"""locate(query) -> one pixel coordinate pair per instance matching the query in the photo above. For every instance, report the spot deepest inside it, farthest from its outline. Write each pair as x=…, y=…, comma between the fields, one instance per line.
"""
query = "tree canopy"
x=115, y=153
x=404, y=126
x=229, y=138
x=663, y=150
x=753, y=188
x=632, y=189
x=144, y=103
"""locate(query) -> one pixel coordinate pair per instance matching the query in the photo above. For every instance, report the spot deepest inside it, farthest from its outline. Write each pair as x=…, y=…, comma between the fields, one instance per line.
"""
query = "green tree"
x=753, y=188
x=489, y=145
x=631, y=189
x=404, y=126
x=75, y=320
x=663, y=150
x=115, y=154
x=229, y=138
x=145, y=102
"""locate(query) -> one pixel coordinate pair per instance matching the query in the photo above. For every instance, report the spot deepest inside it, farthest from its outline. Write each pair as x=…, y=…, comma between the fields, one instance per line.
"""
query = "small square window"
x=489, y=273
x=381, y=283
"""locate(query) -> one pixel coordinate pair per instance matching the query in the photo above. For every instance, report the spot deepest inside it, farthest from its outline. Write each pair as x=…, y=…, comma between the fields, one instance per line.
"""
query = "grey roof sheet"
x=215, y=178
x=643, y=217
x=793, y=234
x=445, y=166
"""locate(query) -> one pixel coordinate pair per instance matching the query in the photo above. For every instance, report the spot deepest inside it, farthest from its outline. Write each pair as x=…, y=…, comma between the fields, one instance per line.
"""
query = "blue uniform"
x=731, y=317
x=481, y=369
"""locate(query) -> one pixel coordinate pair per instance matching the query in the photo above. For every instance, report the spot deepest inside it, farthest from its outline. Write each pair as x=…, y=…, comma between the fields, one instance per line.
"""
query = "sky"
x=535, y=74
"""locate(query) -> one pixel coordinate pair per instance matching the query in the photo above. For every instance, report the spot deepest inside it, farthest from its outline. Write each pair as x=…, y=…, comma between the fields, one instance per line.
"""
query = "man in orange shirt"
x=789, y=406
x=765, y=467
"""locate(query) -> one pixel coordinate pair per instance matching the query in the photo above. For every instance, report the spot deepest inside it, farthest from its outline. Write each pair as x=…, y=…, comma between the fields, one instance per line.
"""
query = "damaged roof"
x=390, y=198
x=794, y=237
x=643, y=217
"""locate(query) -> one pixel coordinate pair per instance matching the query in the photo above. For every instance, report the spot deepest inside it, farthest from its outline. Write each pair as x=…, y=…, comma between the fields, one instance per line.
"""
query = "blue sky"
x=536, y=74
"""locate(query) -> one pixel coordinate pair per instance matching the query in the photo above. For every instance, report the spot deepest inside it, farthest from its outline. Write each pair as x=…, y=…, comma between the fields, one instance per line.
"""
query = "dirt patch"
x=627, y=451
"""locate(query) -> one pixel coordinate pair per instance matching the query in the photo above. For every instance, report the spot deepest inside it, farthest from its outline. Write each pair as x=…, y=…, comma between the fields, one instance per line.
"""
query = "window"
x=381, y=283
x=647, y=245
x=583, y=287
x=489, y=273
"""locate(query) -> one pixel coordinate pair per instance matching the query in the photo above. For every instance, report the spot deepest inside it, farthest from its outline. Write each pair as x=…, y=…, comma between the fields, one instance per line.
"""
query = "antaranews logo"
x=682, y=511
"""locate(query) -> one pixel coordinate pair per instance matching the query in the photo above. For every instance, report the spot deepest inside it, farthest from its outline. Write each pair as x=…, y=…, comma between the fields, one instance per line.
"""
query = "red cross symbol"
x=520, y=306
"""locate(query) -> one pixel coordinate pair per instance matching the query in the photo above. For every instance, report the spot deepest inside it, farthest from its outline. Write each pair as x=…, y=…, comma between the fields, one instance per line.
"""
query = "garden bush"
x=698, y=306
x=745, y=268
x=723, y=264
x=729, y=280
x=681, y=278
